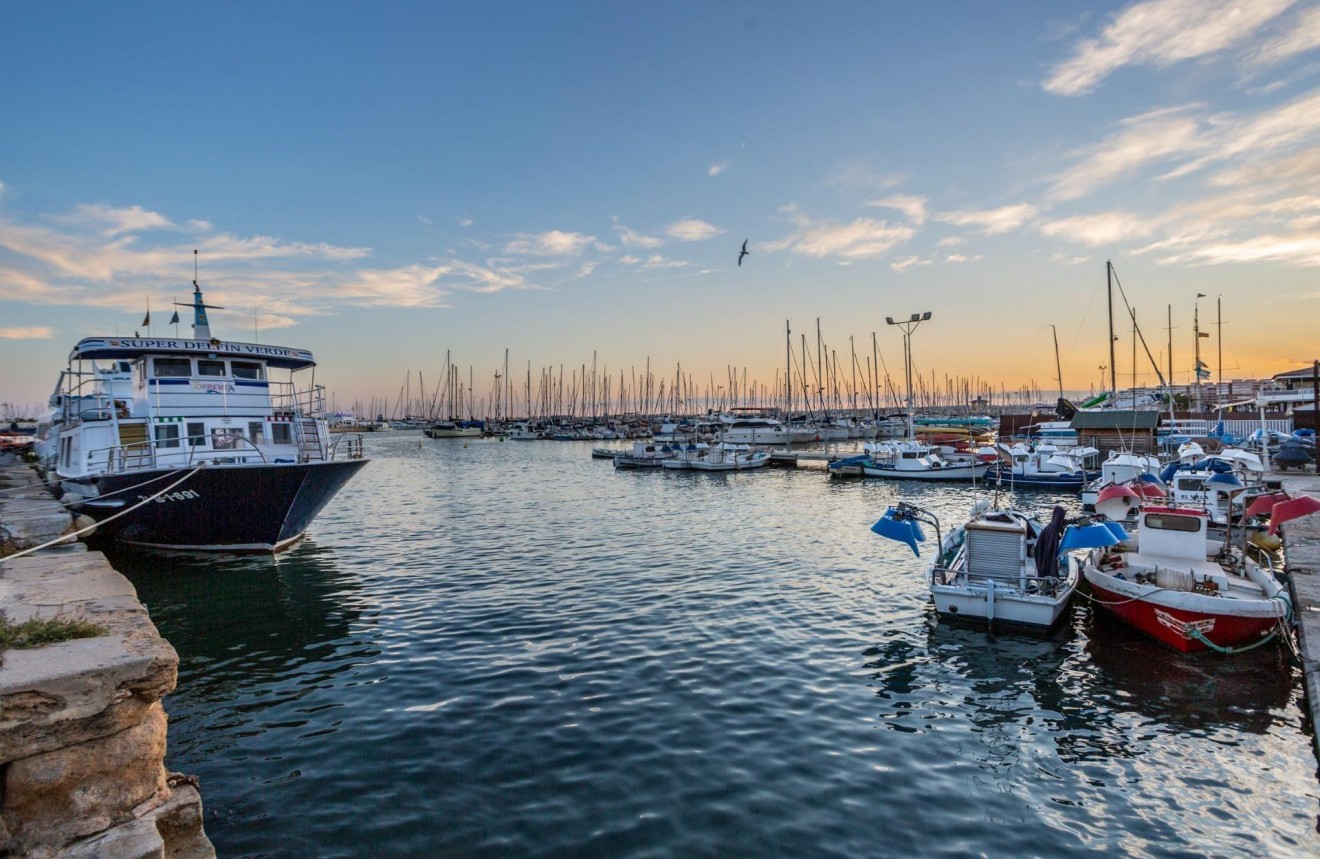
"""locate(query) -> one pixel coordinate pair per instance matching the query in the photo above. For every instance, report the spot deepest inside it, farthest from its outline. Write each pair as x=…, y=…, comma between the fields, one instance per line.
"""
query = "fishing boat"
x=452, y=429
x=1187, y=590
x=1173, y=583
x=1118, y=469
x=644, y=455
x=1214, y=483
x=212, y=446
x=730, y=457
x=1000, y=567
x=1040, y=467
x=687, y=454
x=907, y=460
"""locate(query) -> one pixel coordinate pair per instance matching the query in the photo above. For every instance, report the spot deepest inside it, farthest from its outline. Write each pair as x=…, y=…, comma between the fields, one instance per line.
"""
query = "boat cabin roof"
x=129, y=348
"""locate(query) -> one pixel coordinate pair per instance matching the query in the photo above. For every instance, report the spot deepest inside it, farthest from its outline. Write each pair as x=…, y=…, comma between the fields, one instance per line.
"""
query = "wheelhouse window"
x=254, y=432
x=167, y=435
x=171, y=367
x=1169, y=522
x=210, y=368
x=226, y=439
x=247, y=370
x=280, y=433
x=196, y=434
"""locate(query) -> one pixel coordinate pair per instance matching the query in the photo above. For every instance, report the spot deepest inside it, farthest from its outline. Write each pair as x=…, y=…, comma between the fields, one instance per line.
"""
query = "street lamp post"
x=908, y=325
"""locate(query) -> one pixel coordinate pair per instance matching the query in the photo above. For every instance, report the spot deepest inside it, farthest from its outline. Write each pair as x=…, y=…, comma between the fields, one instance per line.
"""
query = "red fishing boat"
x=1174, y=583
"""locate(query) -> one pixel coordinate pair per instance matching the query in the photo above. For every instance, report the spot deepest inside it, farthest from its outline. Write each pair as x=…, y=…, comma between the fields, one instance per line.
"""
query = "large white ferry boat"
x=208, y=445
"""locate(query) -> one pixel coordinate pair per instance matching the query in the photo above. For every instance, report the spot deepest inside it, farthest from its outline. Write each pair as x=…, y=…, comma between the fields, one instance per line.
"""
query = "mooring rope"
x=57, y=505
x=65, y=537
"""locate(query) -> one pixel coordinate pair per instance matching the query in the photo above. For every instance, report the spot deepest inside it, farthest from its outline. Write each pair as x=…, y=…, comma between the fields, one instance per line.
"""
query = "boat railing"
x=948, y=575
x=287, y=399
x=353, y=446
x=139, y=454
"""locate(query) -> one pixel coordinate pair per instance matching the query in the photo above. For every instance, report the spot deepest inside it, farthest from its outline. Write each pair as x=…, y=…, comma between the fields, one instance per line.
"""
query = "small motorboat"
x=1174, y=583
x=998, y=567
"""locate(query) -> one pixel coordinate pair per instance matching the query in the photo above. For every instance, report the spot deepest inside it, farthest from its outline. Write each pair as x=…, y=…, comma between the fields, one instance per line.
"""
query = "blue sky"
x=380, y=183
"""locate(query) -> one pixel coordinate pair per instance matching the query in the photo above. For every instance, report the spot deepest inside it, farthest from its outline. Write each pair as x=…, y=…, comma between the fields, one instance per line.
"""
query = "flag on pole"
x=1200, y=295
x=146, y=320
x=1203, y=334
x=1202, y=371
x=174, y=320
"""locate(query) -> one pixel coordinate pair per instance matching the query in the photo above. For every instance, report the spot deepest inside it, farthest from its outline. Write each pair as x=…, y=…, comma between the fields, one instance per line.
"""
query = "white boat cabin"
x=167, y=403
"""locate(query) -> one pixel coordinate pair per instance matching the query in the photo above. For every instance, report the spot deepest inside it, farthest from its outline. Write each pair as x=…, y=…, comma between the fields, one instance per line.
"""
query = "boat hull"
x=977, y=605
x=1153, y=613
x=236, y=508
x=947, y=473
x=1060, y=482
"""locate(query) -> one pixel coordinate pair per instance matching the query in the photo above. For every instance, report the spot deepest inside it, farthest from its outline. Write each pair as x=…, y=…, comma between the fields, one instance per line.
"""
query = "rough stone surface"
x=75, y=691
x=82, y=727
x=84, y=789
x=29, y=516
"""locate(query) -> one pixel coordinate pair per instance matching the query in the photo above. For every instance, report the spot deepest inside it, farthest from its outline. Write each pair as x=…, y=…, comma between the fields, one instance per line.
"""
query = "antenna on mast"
x=201, y=328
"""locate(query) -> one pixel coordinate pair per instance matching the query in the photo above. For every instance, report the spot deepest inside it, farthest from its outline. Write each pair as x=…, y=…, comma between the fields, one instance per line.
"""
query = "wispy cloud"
x=717, y=168
x=1297, y=35
x=1160, y=33
x=35, y=332
x=633, y=239
x=465, y=222
x=1105, y=228
x=408, y=286
x=655, y=261
x=905, y=263
x=549, y=243
x=991, y=221
x=692, y=230
x=951, y=241
x=860, y=239
x=1157, y=135
x=110, y=221
x=1067, y=259
x=863, y=175
x=909, y=204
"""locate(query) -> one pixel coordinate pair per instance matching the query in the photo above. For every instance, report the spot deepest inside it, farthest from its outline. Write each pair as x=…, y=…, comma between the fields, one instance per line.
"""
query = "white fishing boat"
x=907, y=460
x=687, y=454
x=1119, y=468
x=644, y=455
x=226, y=440
x=1000, y=567
x=452, y=429
x=730, y=457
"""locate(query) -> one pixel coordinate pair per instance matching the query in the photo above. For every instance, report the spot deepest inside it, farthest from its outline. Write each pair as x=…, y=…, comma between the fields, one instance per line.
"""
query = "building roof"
x=1115, y=419
x=1305, y=374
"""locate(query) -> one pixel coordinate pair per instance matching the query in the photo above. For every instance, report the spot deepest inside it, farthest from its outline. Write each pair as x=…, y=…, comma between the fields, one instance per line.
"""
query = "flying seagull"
x=744, y=252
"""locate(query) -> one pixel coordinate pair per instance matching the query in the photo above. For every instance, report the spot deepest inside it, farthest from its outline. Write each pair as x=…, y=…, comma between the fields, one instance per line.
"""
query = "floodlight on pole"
x=909, y=325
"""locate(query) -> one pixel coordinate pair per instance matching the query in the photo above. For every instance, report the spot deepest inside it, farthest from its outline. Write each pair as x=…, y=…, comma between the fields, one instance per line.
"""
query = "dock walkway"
x=1302, y=553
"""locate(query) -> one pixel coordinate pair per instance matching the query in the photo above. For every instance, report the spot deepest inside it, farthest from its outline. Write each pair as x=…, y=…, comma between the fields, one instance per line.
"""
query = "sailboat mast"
x=1058, y=368
x=1113, y=379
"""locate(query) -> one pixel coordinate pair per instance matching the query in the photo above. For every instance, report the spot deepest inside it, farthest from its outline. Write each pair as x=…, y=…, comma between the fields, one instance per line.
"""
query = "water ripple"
x=503, y=649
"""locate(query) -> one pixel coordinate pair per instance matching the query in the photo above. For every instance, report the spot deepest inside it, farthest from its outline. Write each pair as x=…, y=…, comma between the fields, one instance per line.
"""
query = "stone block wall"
x=82, y=725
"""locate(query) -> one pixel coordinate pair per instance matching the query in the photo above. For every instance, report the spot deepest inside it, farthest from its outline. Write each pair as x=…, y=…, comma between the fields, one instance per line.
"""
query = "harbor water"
x=508, y=649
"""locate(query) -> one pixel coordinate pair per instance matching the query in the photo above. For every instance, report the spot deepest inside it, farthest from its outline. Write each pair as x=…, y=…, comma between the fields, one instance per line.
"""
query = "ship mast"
x=201, y=328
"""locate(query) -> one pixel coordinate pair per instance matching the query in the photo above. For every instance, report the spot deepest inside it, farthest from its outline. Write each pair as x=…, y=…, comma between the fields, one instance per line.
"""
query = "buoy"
x=1268, y=542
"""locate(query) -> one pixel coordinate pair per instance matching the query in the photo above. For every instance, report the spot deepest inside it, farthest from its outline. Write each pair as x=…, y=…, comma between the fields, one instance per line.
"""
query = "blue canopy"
x=1090, y=536
x=1225, y=483
x=1116, y=528
x=896, y=527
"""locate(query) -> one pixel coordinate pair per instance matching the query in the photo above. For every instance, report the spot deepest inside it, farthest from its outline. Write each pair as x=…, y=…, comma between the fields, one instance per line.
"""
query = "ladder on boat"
x=134, y=447
x=310, y=448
